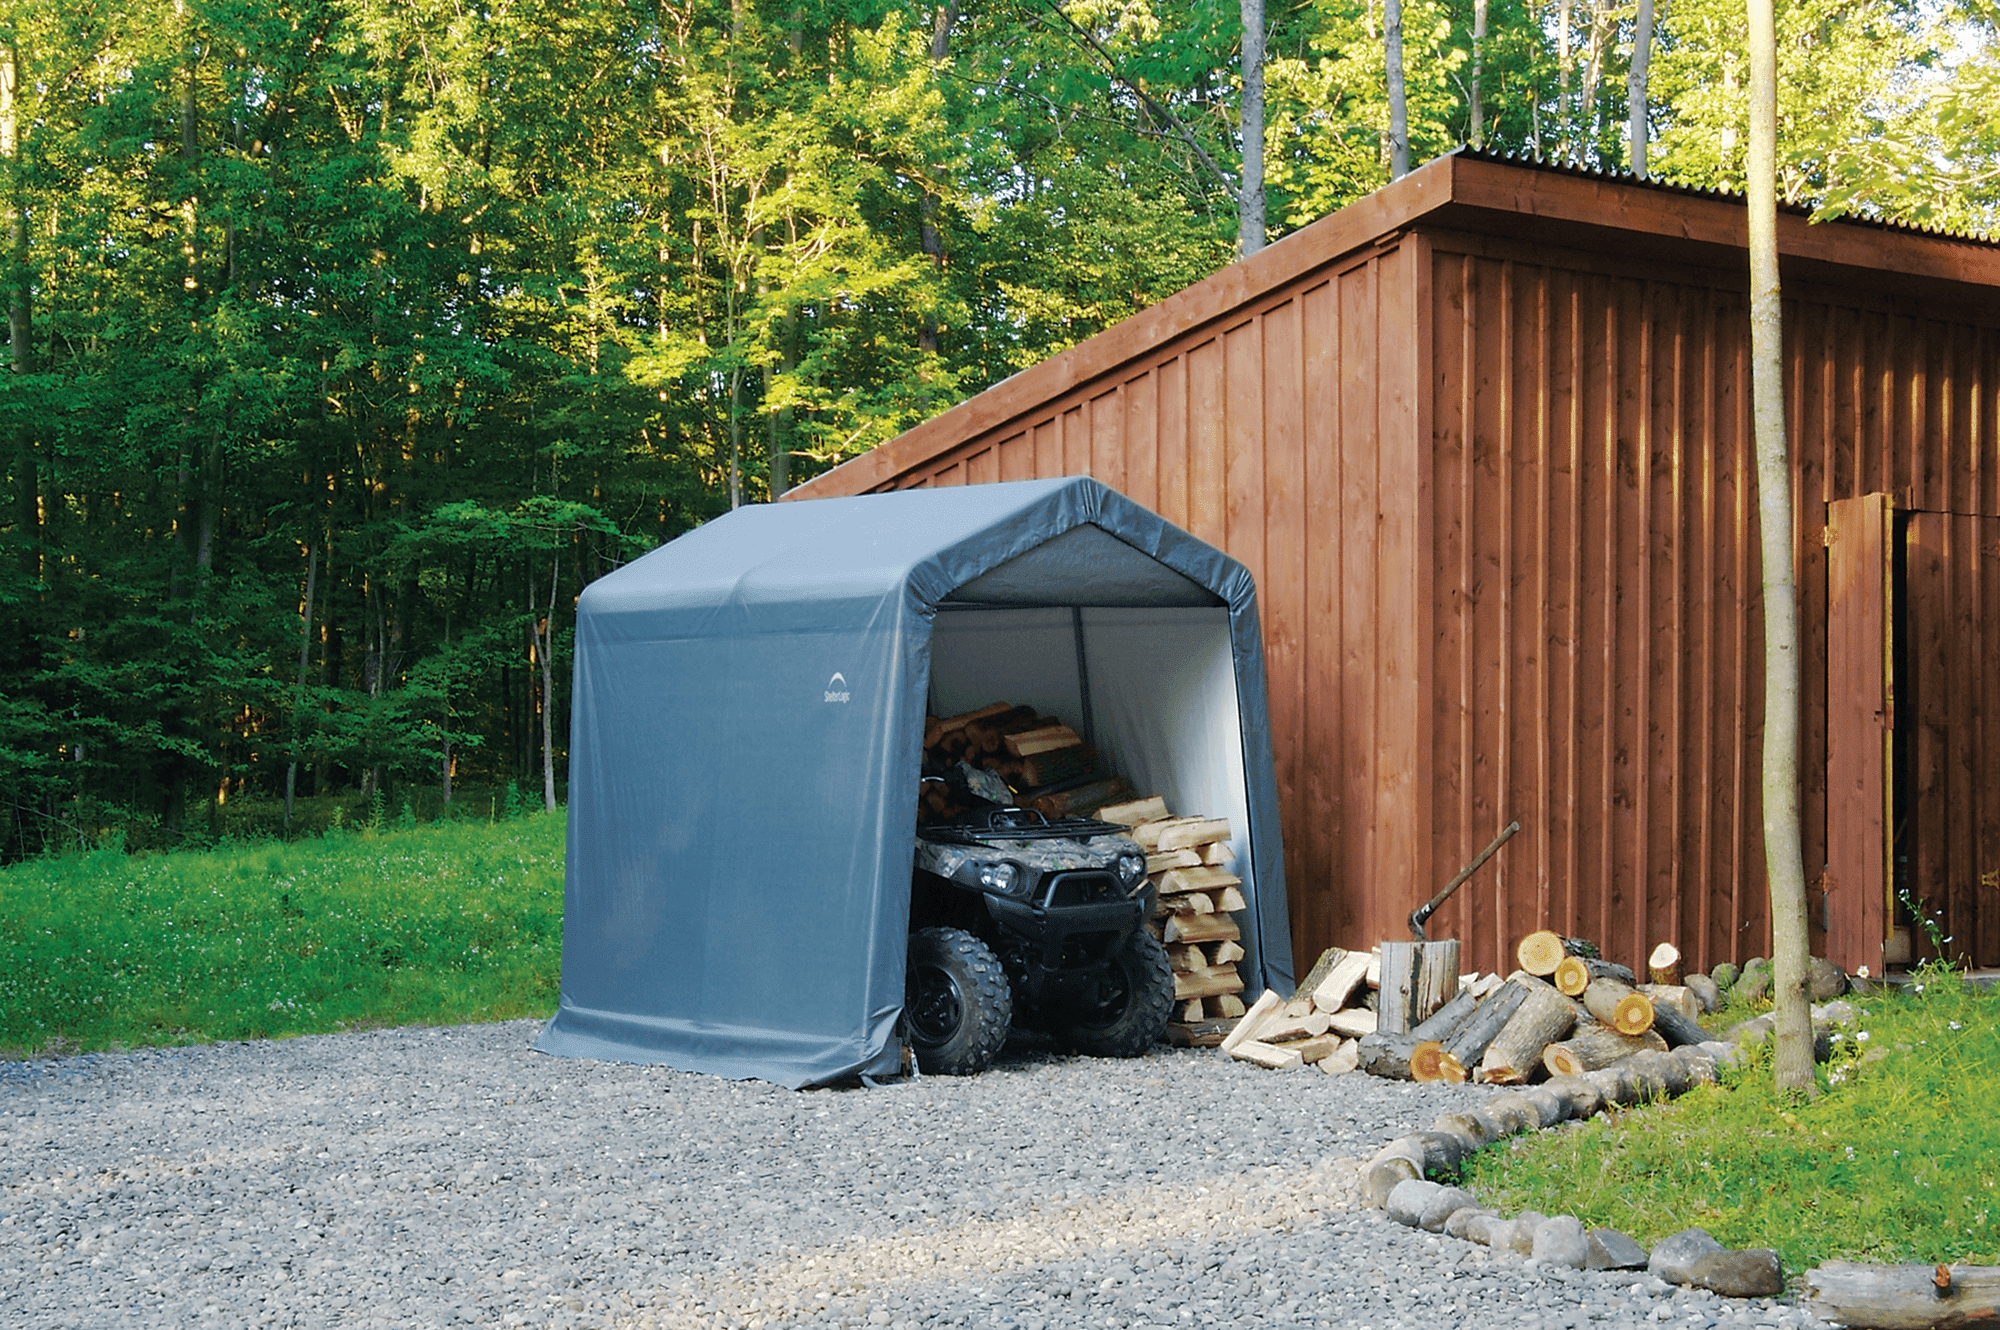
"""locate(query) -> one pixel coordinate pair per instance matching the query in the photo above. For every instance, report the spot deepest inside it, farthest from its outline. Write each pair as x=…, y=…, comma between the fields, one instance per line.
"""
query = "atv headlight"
x=1002, y=877
x=1131, y=869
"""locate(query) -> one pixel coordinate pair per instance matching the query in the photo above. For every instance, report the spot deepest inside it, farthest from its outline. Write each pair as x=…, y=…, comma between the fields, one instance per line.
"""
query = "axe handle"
x=1423, y=912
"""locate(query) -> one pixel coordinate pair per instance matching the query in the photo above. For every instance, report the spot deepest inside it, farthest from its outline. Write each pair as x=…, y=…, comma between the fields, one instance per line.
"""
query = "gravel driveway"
x=443, y=1176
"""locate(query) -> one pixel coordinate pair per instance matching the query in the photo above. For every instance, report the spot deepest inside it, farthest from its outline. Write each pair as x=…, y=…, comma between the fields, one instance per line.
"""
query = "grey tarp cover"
x=745, y=753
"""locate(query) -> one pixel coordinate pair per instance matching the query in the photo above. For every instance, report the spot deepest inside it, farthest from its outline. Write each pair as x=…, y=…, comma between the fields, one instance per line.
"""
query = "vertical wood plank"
x=1332, y=907
x=1857, y=714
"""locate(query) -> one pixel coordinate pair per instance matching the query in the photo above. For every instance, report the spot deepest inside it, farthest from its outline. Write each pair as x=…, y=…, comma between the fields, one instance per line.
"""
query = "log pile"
x=1565, y=1012
x=1045, y=763
x=1188, y=860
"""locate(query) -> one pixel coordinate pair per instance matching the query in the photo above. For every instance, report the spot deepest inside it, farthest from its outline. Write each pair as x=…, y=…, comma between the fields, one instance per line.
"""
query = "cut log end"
x=1633, y=1015
x=1426, y=1061
x=1664, y=965
x=1540, y=953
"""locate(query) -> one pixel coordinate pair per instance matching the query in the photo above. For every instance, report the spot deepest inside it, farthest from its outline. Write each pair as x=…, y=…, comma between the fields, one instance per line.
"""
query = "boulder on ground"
x=1561, y=1241
x=1674, y=1258
x=1612, y=1250
x=1756, y=1273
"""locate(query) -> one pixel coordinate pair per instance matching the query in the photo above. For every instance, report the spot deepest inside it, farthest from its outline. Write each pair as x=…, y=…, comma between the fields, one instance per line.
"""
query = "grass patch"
x=1898, y=1160
x=422, y=925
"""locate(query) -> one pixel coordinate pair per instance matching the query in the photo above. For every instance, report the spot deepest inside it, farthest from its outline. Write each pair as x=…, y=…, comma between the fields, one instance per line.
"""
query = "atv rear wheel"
x=1128, y=1011
x=956, y=1003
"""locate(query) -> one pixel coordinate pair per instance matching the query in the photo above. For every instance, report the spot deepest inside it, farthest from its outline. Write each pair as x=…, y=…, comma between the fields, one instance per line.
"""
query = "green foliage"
x=1894, y=1162
x=430, y=925
x=447, y=312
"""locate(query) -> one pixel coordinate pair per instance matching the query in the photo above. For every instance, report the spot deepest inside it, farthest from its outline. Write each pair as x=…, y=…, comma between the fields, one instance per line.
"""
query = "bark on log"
x=1574, y=973
x=1619, y=1005
x=1437, y=978
x=1395, y=1013
x=1675, y=1027
x=1664, y=965
x=1515, y=1054
x=1904, y=1297
x=1440, y=1023
x=1598, y=1046
x=1387, y=1054
x=1475, y=1034
x=1677, y=996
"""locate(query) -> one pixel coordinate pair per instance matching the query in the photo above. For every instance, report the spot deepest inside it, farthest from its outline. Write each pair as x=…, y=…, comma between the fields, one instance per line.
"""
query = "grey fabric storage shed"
x=747, y=726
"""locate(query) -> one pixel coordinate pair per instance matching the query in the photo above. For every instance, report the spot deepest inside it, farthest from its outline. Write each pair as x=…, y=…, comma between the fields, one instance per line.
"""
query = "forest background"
x=349, y=339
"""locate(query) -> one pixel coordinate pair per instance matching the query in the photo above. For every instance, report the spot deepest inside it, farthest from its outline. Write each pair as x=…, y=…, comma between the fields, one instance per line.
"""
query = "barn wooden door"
x=1860, y=728
x=1949, y=847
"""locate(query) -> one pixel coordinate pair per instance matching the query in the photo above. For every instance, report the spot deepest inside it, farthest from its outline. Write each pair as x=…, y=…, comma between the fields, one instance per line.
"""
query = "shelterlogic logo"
x=836, y=688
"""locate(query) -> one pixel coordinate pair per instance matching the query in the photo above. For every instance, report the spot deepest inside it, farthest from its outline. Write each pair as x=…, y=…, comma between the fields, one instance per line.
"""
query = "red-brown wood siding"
x=1499, y=499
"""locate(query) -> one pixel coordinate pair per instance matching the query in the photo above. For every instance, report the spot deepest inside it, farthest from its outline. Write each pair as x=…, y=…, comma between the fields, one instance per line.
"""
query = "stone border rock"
x=1395, y=1178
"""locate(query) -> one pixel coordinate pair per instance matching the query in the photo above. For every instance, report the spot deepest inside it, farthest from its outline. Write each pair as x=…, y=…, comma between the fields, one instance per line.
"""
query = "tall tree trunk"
x=1478, y=71
x=1783, y=859
x=299, y=697
x=547, y=644
x=1399, y=118
x=20, y=325
x=1250, y=125
x=1565, y=61
x=929, y=237
x=1591, y=94
x=1635, y=88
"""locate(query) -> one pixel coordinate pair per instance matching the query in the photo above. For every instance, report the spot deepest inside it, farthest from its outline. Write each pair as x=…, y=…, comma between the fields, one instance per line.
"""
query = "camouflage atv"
x=1019, y=919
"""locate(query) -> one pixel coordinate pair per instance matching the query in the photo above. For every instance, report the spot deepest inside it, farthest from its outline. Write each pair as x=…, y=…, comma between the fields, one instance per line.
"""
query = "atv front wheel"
x=1127, y=1013
x=956, y=1003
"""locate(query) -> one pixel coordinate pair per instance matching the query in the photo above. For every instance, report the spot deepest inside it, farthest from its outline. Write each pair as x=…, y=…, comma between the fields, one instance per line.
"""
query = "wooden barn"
x=1484, y=439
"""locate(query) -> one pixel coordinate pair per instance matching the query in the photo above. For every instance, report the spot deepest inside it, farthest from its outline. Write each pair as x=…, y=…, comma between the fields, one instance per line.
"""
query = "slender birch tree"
x=1784, y=865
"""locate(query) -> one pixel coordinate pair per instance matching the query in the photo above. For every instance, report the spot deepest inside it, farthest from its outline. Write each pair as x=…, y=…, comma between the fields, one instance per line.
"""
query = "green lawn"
x=424, y=925
x=1897, y=1160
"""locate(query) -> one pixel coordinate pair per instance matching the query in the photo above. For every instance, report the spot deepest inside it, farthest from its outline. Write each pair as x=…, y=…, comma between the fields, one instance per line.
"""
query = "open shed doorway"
x=1141, y=665
x=1913, y=736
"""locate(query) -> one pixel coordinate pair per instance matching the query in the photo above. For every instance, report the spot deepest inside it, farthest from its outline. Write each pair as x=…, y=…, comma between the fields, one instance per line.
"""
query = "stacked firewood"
x=1188, y=860
x=1046, y=765
x=1320, y=1025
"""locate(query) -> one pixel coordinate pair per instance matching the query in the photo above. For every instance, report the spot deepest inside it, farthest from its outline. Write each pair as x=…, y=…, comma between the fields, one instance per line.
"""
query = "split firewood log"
x=1515, y=1055
x=1275, y=1056
x=1246, y=1029
x=1201, y=928
x=1316, y=1048
x=1664, y=965
x=1132, y=812
x=1594, y=1047
x=1573, y=973
x=1197, y=879
x=1352, y=1022
x=1207, y=983
x=1619, y=1005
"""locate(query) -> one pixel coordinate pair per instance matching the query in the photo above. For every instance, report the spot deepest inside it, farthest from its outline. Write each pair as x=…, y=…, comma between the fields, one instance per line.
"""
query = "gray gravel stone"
x=442, y=1177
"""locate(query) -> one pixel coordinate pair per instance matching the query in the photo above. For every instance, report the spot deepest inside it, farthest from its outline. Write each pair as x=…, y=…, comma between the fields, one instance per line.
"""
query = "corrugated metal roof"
x=1669, y=186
